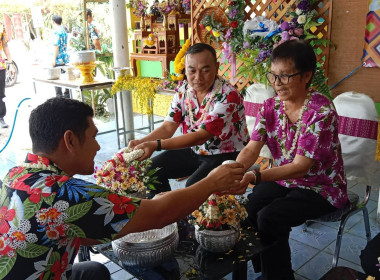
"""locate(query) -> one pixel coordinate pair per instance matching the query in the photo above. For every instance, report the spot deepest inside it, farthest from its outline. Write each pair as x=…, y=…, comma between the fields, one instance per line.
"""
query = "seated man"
x=46, y=214
x=211, y=113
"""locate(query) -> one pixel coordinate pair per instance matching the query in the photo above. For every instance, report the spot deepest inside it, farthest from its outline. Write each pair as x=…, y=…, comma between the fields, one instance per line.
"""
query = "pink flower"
x=298, y=31
x=308, y=142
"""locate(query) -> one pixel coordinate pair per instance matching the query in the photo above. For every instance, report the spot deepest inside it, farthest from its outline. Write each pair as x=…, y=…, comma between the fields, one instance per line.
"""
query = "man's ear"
x=308, y=76
x=71, y=140
x=217, y=69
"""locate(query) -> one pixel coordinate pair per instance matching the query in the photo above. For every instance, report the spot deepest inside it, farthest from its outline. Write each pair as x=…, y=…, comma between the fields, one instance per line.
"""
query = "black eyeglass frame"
x=279, y=77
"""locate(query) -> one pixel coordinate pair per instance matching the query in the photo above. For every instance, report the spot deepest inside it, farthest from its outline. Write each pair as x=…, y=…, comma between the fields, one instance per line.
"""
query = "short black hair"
x=57, y=19
x=89, y=12
x=49, y=121
x=300, y=52
x=200, y=47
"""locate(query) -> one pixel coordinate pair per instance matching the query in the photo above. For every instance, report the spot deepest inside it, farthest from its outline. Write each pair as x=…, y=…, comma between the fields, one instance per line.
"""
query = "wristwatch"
x=257, y=177
x=158, y=145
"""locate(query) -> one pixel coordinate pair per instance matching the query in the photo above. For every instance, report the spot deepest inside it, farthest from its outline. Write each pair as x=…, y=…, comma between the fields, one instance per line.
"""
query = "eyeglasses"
x=283, y=78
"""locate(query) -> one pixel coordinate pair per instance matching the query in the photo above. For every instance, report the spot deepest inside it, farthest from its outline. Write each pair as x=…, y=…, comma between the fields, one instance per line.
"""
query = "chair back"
x=358, y=122
x=255, y=96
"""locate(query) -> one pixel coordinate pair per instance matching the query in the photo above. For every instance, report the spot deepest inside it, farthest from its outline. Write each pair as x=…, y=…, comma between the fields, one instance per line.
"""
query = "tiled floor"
x=311, y=250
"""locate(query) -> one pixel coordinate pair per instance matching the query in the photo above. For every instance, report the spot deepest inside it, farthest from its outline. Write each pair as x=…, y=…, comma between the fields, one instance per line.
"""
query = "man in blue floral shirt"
x=60, y=56
x=46, y=214
x=93, y=32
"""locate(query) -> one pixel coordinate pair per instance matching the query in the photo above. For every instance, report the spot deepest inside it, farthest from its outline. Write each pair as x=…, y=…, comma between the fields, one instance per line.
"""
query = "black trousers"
x=3, y=108
x=90, y=270
x=369, y=255
x=273, y=210
x=58, y=90
x=181, y=163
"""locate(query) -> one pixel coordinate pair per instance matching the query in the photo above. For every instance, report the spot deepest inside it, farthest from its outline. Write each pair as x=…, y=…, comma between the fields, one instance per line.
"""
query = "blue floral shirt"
x=43, y=215
x=60, y=40
x=94, y=34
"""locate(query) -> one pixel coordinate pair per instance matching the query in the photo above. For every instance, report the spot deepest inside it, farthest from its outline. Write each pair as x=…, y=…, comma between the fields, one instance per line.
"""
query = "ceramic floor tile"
x=299, y=277
x=360, y=190
x=301, y=253
x=359, y=230
x=350, y=248
x=316, y=267
x=317, y=235
x=112, y=267
x=121, y=275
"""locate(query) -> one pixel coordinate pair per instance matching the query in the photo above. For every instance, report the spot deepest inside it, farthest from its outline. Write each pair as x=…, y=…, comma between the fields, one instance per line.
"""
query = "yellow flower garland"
x=179, y=62
x=143, y=88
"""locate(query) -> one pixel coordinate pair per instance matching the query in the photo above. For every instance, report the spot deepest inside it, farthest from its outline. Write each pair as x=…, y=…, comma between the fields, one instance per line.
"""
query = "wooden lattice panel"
x=272, y=9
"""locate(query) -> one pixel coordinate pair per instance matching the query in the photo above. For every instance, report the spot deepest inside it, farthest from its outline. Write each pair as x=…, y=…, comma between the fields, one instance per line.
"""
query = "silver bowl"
x=147, y=249
x=217, y=241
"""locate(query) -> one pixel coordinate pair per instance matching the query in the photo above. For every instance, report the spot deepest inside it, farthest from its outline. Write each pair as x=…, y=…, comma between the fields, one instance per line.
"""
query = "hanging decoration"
x=371, y=52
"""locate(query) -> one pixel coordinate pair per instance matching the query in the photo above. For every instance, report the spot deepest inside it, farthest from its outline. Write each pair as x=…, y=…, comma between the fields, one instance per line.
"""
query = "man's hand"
x=12, y=69
x=226, y=177
x=148, y=147
x=133, y=143
x=247, y=178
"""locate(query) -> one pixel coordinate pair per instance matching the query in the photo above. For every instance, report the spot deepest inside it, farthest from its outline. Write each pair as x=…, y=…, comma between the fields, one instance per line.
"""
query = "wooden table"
x=75, y=84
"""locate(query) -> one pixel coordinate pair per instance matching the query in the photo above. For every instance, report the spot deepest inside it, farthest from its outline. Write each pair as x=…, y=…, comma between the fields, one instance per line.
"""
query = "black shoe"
x=2, y=123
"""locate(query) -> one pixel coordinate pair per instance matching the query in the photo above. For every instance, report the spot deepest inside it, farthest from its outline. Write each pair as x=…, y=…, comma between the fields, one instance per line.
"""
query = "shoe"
x=2, y=123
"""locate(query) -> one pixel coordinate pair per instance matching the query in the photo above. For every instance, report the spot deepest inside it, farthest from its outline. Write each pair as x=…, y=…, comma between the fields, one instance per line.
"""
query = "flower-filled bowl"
x=149, y=248
x=217, y=241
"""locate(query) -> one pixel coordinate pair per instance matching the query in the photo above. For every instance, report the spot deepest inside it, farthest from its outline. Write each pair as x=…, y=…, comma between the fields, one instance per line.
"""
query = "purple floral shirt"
x=225, y=118
x=318, y=139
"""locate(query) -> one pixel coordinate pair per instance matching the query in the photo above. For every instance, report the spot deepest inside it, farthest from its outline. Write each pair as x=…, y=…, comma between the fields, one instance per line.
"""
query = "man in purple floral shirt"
x=46, y=214
x=300, y=127
x=211, y=114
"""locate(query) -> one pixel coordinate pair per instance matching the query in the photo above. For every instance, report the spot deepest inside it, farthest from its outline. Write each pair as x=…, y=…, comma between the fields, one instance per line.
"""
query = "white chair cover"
x=255, y=96
x=357, y=133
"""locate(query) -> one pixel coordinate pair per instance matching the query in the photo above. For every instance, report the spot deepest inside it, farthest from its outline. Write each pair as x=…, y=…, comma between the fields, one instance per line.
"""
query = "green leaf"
x=78, y=211
x=49, y=199
x=55, y=256
x=6, y=264
x=75, y=231
x=32, y=251
x=31, y=208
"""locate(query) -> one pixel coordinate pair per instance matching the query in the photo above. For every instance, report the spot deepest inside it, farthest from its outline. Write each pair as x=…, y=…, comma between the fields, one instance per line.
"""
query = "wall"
x=347, y=33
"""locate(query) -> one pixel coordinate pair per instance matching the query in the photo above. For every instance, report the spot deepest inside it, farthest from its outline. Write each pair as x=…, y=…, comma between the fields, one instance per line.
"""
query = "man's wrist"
x=257, y=175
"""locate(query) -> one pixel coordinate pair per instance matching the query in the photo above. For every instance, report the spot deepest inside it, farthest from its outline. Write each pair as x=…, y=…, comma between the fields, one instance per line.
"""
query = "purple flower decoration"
x=263, y=54
x=285, y=25
x=285, y=36
x=246, y=45
x=233, y=13
x=228, y=34
x=303, y=5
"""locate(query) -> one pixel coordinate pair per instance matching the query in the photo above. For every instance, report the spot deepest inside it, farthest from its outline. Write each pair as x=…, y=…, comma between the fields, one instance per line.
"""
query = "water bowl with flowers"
x=127, y=176
x=217, y=222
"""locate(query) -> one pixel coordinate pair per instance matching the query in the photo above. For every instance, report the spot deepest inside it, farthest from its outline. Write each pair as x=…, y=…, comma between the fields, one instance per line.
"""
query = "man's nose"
x=198, y=76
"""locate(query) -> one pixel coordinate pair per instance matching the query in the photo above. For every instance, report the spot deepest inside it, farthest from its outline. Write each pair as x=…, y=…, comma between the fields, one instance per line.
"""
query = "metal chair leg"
x=366, y=223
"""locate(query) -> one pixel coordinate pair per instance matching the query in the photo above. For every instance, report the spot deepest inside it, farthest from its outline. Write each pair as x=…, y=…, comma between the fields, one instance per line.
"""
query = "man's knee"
x=90, y=270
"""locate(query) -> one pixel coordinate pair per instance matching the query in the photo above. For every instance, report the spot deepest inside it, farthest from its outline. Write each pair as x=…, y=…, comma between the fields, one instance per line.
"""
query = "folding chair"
x=358, y=122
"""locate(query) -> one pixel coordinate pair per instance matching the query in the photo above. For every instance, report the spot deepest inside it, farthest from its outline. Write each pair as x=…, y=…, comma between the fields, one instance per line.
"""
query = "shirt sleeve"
x=259, y=132
x=56, y=39
x=316, y=136
x=94, y=33
x=226, y=116
x=4, y=36
x=93, y=211
x=176, y=113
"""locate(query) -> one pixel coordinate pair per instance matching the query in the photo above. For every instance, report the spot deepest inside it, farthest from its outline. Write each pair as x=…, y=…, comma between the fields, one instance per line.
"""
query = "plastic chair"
x=357, y=133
